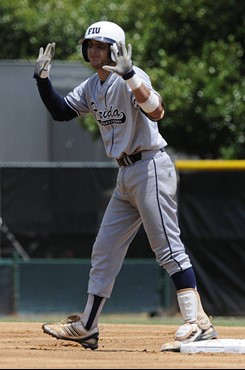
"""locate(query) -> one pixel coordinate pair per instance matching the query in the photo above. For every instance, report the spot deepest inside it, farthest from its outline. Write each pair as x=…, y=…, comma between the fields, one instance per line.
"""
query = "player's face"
x=98, y=54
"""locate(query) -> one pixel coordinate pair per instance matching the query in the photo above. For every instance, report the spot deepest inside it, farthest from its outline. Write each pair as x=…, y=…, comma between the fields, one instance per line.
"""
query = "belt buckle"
x=128, y=160
x=121, y=162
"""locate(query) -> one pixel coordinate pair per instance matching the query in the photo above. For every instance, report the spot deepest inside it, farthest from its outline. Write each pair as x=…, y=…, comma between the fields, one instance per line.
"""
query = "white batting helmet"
x=103, y=31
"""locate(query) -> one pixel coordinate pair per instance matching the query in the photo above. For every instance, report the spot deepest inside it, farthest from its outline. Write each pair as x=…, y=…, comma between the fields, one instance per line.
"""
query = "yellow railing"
x=199, y=165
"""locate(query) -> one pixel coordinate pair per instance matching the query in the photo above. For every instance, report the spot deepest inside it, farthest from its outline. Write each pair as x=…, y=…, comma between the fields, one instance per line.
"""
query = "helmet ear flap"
x=84, y=50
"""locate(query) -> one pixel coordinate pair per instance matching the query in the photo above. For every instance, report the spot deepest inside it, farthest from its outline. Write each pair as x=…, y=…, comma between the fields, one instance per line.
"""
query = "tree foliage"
x=192, y=50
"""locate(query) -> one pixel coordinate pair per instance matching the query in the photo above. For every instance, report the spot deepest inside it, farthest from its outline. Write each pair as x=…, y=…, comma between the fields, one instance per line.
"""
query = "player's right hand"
x=122, y=57
x=44, y=60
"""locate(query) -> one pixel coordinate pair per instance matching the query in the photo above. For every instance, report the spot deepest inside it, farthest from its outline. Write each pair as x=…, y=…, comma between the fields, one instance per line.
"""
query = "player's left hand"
x=122, y=57
x=44, y=60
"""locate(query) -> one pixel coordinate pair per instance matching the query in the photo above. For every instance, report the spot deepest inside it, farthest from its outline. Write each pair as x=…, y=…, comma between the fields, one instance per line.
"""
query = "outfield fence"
x=51, y=211
x=58, y=286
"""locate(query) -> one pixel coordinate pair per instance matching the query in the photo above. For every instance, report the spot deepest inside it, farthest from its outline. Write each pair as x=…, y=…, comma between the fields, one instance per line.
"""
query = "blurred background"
x=55, y=180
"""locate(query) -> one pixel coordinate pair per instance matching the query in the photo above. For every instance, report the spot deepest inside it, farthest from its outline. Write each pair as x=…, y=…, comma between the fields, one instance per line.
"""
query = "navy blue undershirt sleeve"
x=54, y=102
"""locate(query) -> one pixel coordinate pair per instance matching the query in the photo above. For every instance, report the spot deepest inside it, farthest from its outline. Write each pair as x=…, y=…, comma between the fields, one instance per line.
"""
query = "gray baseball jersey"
x=124, y=127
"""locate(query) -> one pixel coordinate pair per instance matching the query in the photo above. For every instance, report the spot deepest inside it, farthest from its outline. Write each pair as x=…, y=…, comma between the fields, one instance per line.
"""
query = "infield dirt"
x=24, y=346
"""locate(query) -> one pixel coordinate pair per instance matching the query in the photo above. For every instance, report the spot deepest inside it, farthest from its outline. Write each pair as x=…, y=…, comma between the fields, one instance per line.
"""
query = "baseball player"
x=126, y=107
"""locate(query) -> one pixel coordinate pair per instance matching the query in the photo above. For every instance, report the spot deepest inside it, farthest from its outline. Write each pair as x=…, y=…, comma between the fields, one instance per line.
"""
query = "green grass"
x=137, y=318
x=166, y=320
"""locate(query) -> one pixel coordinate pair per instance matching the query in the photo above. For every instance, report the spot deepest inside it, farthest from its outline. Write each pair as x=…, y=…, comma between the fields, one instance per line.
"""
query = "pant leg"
x=118, y=228
x=155, y=189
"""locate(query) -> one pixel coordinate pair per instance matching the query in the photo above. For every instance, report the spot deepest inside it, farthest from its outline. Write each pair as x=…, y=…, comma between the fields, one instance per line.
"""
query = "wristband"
x=150, y=104
x=128, y=75
x=132, y=80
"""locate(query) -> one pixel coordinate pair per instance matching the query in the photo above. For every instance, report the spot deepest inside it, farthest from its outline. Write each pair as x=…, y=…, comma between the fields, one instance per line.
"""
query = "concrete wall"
x=58, y=286
x=27, y=131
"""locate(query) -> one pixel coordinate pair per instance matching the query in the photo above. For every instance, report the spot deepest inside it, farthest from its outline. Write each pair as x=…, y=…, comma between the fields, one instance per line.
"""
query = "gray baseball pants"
x=145, y=192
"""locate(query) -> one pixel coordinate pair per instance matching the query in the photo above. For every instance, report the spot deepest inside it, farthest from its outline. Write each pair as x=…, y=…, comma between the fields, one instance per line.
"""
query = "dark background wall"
x=54, y=211
x=212, y=219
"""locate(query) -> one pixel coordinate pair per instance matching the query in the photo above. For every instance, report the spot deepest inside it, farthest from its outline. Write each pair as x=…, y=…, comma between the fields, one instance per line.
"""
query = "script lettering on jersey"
x=94, y=30
x=109, y=116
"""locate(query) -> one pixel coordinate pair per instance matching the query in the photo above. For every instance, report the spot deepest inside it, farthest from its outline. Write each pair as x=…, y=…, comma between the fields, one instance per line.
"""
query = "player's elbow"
x=57, y=117
x=62, y=112
x=158, y=113
x=153, y=106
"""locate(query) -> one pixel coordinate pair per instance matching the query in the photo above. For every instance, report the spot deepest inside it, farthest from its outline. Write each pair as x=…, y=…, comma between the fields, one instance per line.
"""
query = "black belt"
x=127, y=160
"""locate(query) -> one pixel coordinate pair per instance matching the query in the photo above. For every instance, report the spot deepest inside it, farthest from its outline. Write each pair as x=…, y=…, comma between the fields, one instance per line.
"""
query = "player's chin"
x=95, y=63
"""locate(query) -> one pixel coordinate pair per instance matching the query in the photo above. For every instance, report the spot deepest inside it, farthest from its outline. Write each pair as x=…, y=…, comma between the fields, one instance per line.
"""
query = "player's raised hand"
x=122, y=58
x=44, y=60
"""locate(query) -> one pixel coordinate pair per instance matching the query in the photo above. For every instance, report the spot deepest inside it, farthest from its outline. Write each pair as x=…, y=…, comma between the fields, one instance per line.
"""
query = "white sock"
x=91, y=314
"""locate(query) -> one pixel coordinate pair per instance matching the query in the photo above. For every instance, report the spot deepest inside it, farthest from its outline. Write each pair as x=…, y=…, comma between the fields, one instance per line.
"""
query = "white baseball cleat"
x=73, y=329
x=188, y=333
x=197, y=325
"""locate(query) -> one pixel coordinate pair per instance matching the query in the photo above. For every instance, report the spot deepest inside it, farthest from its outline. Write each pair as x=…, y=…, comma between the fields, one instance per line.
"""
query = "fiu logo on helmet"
x=109, y=116
x=94, y=30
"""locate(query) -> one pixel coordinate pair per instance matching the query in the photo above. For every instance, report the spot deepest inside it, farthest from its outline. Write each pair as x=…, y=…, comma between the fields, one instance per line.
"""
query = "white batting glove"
x=44, y=60
x=122, y=58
